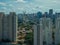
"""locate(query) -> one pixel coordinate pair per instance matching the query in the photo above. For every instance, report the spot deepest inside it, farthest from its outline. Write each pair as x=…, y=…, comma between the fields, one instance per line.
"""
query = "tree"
x=29, y=38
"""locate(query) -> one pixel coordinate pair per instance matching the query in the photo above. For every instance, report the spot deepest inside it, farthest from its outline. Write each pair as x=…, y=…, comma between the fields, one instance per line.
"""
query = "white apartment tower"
x=47, y=25
x=57, y=31
x=35, y=34
x=38, y=33
x=43, y=32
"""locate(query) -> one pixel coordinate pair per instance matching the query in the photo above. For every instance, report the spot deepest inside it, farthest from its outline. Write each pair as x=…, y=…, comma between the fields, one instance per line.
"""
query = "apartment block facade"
x=8, y=27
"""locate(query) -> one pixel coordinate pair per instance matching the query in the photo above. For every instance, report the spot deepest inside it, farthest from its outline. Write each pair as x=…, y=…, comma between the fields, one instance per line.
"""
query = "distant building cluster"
x=8, y=27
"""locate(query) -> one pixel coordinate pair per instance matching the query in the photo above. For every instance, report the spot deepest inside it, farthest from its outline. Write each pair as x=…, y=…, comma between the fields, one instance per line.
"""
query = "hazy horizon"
x=30, y=6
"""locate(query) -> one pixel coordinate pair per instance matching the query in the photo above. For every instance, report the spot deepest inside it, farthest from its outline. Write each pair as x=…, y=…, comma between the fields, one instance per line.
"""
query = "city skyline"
x=50, y=11
x=30, y=6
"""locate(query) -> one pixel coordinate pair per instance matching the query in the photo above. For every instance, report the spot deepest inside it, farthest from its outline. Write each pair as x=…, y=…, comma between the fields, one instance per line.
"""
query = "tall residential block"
x=57, y=31
x=12, y=26
x=38, y=33
x=8, y=27
x=1, y=26
x=47, y=24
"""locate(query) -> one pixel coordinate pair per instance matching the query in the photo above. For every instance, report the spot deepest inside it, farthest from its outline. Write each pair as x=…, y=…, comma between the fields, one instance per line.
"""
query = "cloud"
x=10, y=5
x=30, y=5
x=55, y=2
x=2, y=3
x=23, y=1
x=20, y=8
x=4, y=8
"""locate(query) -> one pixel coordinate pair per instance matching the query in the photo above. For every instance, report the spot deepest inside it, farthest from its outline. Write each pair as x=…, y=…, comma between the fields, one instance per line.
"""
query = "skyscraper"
x=48, y=31
x=35, y=35
x=8, y=27
x=12, y=26
x=41, y=31
x=38, y=33
x=5, y=28
x=57, y=31
x=51, y=12
x=1, y=26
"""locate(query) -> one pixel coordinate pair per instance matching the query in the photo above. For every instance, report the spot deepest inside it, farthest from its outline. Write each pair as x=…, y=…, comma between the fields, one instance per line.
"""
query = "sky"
x=29, y=6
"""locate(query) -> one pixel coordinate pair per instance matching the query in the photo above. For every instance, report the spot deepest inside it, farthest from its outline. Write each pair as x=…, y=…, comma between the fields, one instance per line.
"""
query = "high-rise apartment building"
x=47, y=25
x=4, y=28
x=57, y=31
x=1, y=26
x=8, y=26
x=43, y=32
x=35, y=35
x=38, y=33
x=12, y=26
